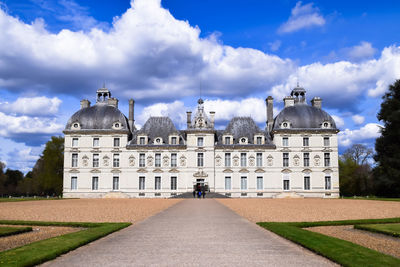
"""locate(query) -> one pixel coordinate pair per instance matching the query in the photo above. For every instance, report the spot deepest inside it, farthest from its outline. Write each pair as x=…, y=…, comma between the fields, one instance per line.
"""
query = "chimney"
x=85, y=103
x=189, y=119
x=289, y=101
x=316, y=102
x=113, y=102
x=212, y=118
x=131, y=113
x=270, y=112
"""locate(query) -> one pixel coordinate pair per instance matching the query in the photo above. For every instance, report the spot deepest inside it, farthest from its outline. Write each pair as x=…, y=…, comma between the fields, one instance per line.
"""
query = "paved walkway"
x=192, y=233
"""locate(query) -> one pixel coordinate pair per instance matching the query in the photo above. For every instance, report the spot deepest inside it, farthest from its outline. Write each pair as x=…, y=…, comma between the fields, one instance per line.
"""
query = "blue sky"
x=55, y=53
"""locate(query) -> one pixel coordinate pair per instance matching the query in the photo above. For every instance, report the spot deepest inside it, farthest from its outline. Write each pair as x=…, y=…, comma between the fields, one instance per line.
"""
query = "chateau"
x=296, y=155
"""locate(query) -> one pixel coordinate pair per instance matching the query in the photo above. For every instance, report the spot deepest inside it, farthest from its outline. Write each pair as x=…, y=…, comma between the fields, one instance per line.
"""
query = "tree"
x=13, y=177
x=48, y=170
x=387, y=146
x=2, y=179
x=355, y=171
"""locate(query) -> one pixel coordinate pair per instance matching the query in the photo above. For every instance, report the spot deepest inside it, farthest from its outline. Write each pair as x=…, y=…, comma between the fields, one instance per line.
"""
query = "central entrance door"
x=200, y=185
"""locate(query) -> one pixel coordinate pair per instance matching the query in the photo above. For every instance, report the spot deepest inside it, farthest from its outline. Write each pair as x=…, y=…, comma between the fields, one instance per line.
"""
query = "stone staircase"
x=208, y=195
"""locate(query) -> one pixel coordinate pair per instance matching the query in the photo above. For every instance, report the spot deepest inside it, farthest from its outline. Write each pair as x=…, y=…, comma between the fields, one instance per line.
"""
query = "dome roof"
x=242, y=127
x=303, y=116
x=98, y=117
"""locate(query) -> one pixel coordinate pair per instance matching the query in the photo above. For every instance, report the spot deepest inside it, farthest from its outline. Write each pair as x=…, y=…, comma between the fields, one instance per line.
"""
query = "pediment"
x=173, y=170
x=286, y=170
x=95, y=171
x=74, y=171
x=227, y=171
x=115, y=171
x=158, y=170
x=200, y=173
x=244, y=171
x=327, y=170
x=142, y=170
x=259, y=170
x=306, y=170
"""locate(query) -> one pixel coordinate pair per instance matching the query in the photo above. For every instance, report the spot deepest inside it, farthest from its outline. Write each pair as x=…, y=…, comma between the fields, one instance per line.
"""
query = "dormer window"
x=96, y=142
x=227, y=140
x=173, y=140
x=117, y=125
x=285, y=125
x=243, y=140
x=158, y=141
x=259, y=140
x=326, y=125
x=142, y=140
x=76, y=126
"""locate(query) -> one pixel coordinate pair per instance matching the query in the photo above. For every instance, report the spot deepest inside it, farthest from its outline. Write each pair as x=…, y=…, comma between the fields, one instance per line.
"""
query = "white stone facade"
x=110, y=158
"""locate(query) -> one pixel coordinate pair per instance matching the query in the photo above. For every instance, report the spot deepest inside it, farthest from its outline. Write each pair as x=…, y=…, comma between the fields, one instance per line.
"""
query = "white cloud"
x=368, y=131
x=176, y=111
x=302, y=16
x=342, y=84
x=146, y=53
x=338, y=120
x=358, y=119
x=36, y=106
x=362, y=51
x=274, y=46
x=11, y=126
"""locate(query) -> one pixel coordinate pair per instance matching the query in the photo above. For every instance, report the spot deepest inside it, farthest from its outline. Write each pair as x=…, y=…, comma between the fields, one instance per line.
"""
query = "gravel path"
x=37, y=233
x=192, y=233
x=84, y=210
x=297, y=210
x=380, y=242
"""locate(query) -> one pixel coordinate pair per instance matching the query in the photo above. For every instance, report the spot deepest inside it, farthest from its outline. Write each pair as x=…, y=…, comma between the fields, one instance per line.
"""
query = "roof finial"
x=298, y=81
x=104, y=84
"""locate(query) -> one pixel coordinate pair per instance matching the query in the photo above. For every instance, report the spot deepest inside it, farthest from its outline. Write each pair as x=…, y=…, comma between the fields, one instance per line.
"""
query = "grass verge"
x=392, y=229
x=18, y=199
x=337, y=250
x=373, y=198
x=7, y=231
x=48, y=249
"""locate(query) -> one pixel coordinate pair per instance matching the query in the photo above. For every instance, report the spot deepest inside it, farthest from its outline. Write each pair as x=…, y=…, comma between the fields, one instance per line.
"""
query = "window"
x=326, y=141
x=200, y=159
x=157, y=183
x=306, y=158
x=260, y=183
x=243, y=182
x=286, y=185
x=327, y=159
x=259, y=140
x=142, y=140
x=306, y=141
x=285, y=141
x=95, y=183
x=95, y=160
x=142, y=160
x=259, y=160
x=285, y=159
x=158, y=160
x=74, y=162
x=306, y=182
x=96, y=142
x=243, y=159
x=173, y=183
x=227, y=140
x=173, y=140
x=115, y=183
x=173, y=160
x=116, y=161
x=116, y=142
x=327, y=183
x=74, y=142
x=200, y=141
x=227, y=159
x=142, y=185
x=228, y=185
x=74, y=183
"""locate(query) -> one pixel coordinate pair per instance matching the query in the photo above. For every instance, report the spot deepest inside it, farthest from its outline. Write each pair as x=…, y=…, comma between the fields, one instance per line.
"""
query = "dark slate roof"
x=158, y=127
x=243, y=127
x=98, y=117
x=303, y=116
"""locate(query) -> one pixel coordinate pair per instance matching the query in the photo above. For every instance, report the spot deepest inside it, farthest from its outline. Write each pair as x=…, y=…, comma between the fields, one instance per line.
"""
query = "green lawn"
x=16, y=199
x=392, y=229
x=337, y=250
x=373, y=198
x=44, y=250
x=6, y=231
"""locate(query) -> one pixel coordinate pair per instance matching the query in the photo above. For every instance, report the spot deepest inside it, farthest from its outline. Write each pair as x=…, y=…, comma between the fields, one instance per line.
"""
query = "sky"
x=165, y=54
